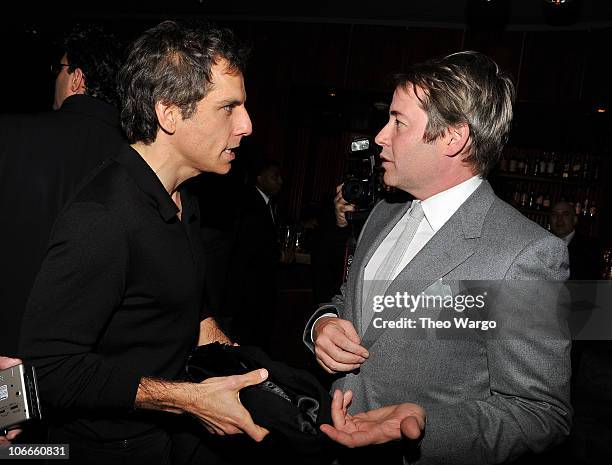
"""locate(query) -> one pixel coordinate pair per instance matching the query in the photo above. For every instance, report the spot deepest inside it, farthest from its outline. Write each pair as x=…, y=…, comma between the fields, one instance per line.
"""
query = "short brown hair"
x=465, y=88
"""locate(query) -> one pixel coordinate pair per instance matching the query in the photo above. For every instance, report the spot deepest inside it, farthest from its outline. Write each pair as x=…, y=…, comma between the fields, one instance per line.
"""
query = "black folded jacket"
x=291, y=403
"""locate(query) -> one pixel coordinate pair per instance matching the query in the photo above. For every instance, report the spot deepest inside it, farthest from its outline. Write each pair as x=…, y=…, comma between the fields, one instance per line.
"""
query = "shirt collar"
x=148, y=182
x=440, y=207
x=567, y=239
x=265, y=197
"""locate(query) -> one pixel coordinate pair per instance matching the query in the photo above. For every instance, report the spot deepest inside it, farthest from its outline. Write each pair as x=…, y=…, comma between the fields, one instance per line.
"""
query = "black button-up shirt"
x=118, y=297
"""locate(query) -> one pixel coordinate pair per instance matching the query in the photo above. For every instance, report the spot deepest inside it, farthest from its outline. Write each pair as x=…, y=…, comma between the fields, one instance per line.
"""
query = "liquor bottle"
x=550, y=165
x=593, y=209
x=586, y=167
x=595, y=170
x=607, y=264
x=524, y=197
x=503, y=164
x=546, y=202
x=543, y=164
x=535, y=168
x=531, y=200
x=576, y=165
x=585, y=204
x=566, y=167
x=578, y=203
x=512, y=164
x=516, y=195
x=520, y=165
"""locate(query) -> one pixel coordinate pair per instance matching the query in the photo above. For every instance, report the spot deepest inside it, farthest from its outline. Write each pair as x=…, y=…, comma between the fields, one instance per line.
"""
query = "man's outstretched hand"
x=375, y=426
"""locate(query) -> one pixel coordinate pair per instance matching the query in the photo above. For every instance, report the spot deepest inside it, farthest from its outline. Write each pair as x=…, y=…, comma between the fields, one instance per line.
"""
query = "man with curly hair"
x=44, y=156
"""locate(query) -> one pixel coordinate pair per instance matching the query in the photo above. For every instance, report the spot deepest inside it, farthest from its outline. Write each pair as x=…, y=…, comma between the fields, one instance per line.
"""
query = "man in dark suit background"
x=583, y=254
x=252, y=278
x=591, y=373
x=43, y=158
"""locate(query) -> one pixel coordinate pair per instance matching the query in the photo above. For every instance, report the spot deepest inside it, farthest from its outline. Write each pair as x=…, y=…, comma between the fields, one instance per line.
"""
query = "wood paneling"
x=421, y=44
x=502, y=46
x=553, y=66
x=376, y=52
x=322, y=53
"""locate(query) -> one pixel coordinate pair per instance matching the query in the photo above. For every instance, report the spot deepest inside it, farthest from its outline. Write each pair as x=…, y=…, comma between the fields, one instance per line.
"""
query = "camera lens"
x=354, y=191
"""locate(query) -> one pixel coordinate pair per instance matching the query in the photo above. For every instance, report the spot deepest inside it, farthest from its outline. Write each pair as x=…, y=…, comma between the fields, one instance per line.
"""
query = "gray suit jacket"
x=490, y=396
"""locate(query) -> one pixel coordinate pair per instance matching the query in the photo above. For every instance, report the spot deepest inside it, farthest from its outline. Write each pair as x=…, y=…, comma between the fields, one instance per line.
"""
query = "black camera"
x=363, y=185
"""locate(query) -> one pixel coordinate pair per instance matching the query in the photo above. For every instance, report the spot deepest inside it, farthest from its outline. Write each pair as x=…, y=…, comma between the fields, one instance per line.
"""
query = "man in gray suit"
x=467, y=393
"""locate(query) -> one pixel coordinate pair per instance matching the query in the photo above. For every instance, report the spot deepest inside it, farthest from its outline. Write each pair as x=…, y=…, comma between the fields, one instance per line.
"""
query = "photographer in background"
x=362, y=189
x=342, y=207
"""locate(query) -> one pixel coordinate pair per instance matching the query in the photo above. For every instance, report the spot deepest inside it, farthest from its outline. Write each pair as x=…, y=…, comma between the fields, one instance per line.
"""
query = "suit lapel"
x=373, y=235
x=452, y=245
x=263, y=209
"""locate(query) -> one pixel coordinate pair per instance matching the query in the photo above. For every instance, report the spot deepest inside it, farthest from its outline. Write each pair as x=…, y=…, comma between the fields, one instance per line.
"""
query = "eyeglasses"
x=56, y=68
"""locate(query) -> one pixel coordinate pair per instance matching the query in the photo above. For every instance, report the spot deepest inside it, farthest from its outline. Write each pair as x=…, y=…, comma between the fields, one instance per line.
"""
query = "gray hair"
x=172, y=63
x=465, y=88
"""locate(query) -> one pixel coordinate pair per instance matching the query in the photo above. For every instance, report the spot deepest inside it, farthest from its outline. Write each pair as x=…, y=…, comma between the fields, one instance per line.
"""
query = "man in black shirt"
x=118, y=304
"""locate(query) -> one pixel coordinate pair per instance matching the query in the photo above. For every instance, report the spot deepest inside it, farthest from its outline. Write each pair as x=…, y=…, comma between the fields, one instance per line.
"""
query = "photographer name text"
x=430, y=323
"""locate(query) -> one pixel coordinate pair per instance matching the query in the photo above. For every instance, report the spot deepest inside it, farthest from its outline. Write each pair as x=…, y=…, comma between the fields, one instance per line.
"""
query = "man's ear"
x=456, y=139
x=167, y=117
x=77, y=82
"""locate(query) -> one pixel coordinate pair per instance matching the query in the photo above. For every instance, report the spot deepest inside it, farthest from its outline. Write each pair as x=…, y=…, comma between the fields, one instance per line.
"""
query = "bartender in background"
x=588, y=442
x=583, y=255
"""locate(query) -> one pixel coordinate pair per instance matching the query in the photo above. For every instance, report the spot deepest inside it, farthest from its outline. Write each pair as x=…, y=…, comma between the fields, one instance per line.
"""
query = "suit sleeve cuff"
x=327, y=310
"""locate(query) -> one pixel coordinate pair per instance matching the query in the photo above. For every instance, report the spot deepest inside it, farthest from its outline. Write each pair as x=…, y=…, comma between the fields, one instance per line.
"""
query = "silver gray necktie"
x=388, y=268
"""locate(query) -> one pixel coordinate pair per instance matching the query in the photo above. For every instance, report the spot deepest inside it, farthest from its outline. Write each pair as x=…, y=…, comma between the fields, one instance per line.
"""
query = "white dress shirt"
x=438, y=209
x=567, y=239
x=265, y=197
